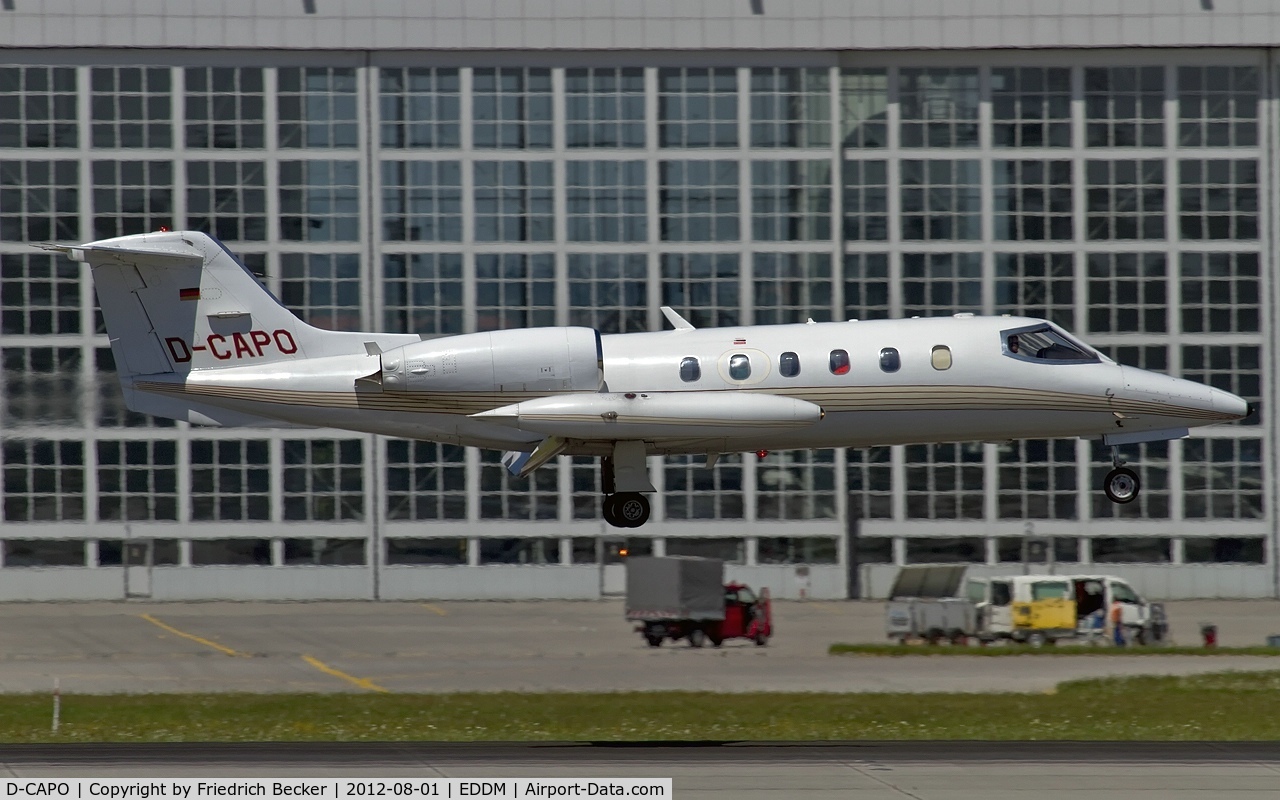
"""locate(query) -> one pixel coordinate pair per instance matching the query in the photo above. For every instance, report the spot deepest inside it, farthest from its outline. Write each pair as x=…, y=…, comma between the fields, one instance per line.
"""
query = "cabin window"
x=789, y=365
x=890, y=361
x=690, y=370
x=1045, y=343
x=739, y=367
x=941, y=357
x=839, y=362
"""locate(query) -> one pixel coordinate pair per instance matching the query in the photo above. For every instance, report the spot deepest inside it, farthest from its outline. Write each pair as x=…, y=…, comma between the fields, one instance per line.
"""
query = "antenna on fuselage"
x=678, y=322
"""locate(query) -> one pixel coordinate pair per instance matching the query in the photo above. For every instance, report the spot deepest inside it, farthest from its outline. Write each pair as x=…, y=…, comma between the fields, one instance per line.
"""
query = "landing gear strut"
x=628, y=508
x=1121, y=484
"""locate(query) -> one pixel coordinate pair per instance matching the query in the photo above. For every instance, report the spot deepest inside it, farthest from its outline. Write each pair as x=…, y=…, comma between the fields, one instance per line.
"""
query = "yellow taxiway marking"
x=363, y=683
x=437, y=609
x=194, y=638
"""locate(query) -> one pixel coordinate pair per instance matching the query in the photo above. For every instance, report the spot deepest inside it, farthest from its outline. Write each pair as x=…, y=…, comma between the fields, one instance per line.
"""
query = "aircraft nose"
x=1228, y=403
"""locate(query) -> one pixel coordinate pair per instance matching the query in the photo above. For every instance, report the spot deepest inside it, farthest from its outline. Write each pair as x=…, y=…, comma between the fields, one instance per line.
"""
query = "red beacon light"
x=762, y=454
x=164, y=229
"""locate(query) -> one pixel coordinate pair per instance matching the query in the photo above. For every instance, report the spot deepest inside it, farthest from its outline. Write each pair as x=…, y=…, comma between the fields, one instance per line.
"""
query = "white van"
x=1041, y=609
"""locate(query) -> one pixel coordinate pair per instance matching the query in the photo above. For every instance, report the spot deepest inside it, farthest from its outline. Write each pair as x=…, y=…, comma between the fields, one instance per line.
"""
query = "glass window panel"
x=790, y=107
x=504, y=496
x=941, y=200
x=137, y=480
x=946, y=550
x=797, y=550
x=732, y=550
x=130, y=107
x=425, y=480
x=605, y=201
x=790, y=200
x=1124, y=106
x=531, y=551
x=39, y=294
x=944, y=481
x=41, y=386
x=514, y=290
x=864, y=103
x=1040, y=285
x=1037, y=479
x=449, y=551
x=319, y=201
x=422, y=201
x=1224, y=550
x=941, y=283
x=1031, y=106
x=44, y=481
x=1218, y=199
x=323, y=480
x=44, y=552
x=230, y=480
x=1125, y=199
x=323, y=289
x=609, y=291
x=1218, y=106
x=1221, y=293
x=869, y=474
x=325, y=552
x=1033, y=200
x=511, y=108
x=939, y=107
x=792, y=287
x=586, y=494
x=422, y=292
x=866, y=286
x=225, y=108
x=866, y=200
x=227, y=199
x=698, y=201
x=514, y=201
x=38, y=107
x=39, y=201
x=697, y=107
x=131, y=197
x=695, y=492
x=231, y=552
x=419, y=107
x=796, y=484
x=1128, y=293
x=604, y=107
x=317, y=107
x=1132, y=549
x=702, y=287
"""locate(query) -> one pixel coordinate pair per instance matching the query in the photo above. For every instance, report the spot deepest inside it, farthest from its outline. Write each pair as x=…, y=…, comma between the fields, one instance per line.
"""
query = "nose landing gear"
x=1121, y=484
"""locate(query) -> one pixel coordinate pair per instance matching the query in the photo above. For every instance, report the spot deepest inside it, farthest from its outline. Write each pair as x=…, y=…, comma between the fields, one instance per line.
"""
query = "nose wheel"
x=1121, y=484
x=626, y=509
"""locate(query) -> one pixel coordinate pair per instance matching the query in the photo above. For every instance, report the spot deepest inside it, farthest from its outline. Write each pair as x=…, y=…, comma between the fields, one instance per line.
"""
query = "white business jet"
x=197, y=337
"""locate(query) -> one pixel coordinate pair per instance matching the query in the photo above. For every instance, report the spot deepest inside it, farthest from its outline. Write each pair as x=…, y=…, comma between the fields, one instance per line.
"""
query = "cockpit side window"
x=1045, y=344
x=690, y=369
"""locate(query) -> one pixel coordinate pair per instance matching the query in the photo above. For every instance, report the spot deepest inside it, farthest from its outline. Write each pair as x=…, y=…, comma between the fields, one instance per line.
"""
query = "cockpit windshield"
x=1045, y=343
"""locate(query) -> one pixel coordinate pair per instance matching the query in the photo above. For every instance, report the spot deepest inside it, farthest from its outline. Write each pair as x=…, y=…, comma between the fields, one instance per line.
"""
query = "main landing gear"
x=625, y=470
x=1121, y=484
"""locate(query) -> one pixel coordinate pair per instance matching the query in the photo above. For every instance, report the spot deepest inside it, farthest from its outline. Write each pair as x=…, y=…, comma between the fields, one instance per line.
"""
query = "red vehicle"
x=746, y=616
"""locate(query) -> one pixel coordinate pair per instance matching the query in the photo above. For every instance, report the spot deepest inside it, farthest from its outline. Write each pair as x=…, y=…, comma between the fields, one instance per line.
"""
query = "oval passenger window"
x=890, y=361
x=789, y=365
x=941, y=357
x=839, y=362
x=690, y=371
x=739, y=367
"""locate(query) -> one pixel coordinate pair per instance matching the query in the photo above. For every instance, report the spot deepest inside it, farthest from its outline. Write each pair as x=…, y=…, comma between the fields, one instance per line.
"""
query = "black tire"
x=654, y=641
x=1121, y=485
x=697, y=637
x=631, y=509
x=761, y=640
x=1036, y=639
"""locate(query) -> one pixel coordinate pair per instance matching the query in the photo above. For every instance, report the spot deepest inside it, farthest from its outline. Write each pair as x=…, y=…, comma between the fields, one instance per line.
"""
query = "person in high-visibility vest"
x=1117, y=623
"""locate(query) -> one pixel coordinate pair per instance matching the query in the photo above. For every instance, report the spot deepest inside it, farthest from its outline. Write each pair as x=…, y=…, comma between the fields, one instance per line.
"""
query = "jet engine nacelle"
x=527, y=360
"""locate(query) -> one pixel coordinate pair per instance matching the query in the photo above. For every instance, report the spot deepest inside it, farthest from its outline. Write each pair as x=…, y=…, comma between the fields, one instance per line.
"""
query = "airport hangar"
x=456, y=166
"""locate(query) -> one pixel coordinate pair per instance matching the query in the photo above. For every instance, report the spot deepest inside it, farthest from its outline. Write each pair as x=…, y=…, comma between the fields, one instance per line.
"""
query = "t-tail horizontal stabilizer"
x=521, y=464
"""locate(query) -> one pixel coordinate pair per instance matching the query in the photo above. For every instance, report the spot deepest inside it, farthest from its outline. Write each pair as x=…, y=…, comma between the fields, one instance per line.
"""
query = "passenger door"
x=1132, y=610
x=1000, y=609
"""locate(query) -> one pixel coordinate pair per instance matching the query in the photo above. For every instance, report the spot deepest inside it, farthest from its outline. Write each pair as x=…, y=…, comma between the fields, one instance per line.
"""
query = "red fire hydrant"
x=1209, y=633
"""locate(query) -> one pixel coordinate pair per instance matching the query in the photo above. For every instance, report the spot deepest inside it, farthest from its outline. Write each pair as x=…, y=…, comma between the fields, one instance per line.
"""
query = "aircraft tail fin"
x=177, y=301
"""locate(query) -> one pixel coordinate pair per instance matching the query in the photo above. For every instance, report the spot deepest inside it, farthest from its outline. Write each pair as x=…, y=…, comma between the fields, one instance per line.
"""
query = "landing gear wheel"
x=610, y=509
x=631, y=509
x=697, y=637
x=1121, y=485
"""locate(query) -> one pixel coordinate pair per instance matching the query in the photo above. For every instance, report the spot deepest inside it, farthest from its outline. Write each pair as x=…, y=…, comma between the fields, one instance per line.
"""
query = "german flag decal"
x=189, y=294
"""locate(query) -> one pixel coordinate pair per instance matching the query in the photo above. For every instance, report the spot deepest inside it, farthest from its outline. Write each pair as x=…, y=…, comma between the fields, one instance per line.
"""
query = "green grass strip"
x=998, y=650
x=1228, y=706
